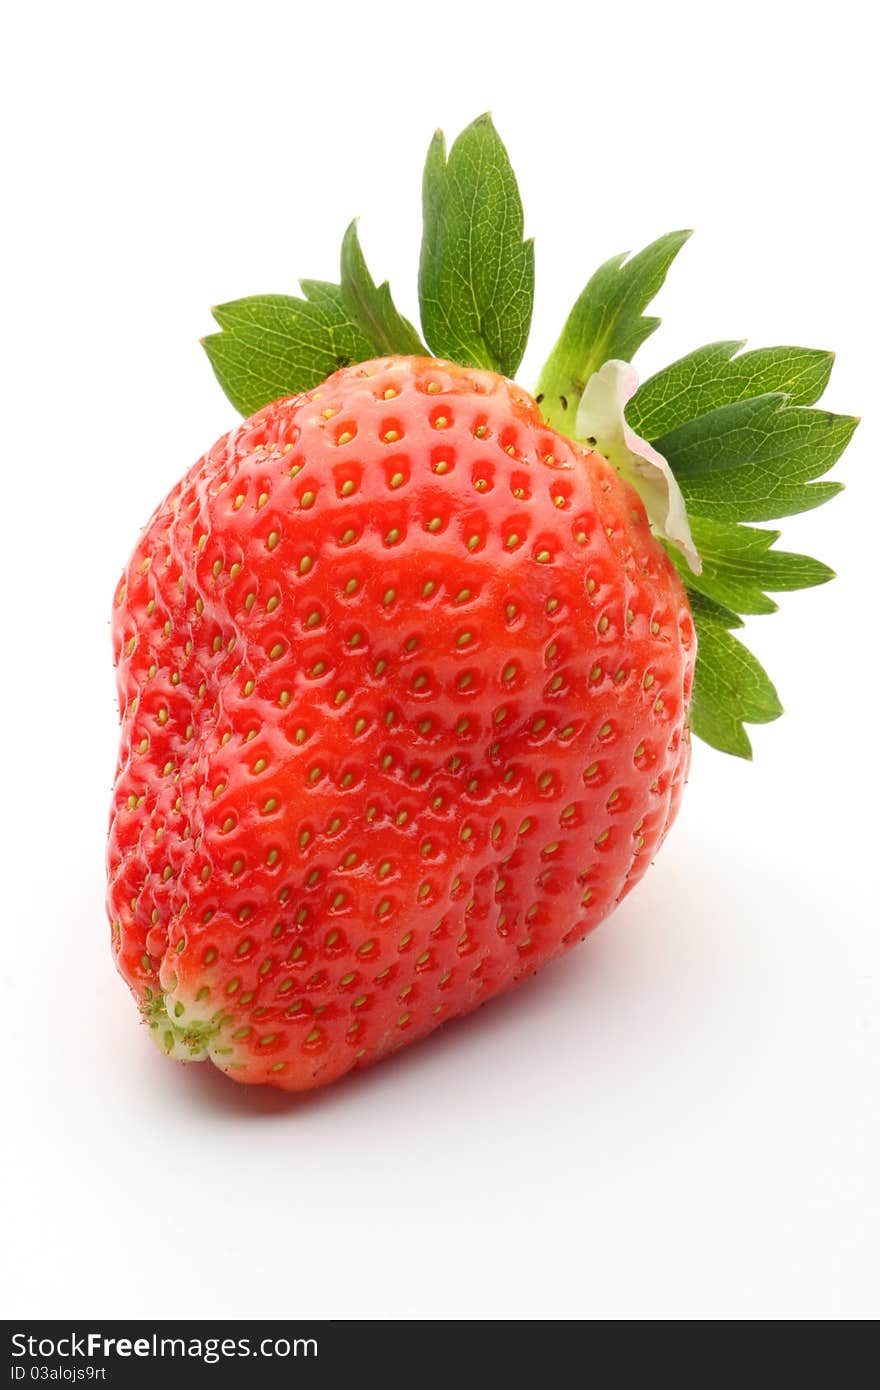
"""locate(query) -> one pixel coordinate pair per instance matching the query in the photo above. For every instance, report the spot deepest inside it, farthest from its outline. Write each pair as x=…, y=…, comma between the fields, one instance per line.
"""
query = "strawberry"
x=406, y=662
x=405, y=680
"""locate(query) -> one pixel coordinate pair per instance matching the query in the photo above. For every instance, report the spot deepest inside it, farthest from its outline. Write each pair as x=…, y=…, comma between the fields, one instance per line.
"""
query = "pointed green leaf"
x=607, y=321
x=370, y=307
x=273, y=345
x=731, y=687
x=739, y=566
x=712, y=610
x=756, y=459
x=712, y=376
x=476, y=274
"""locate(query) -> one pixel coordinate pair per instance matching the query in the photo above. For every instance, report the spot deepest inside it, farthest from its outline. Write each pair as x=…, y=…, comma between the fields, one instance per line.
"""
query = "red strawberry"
x=404, y=679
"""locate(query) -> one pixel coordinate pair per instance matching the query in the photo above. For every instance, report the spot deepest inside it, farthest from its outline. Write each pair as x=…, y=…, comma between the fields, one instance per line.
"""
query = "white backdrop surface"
x=681, y=1119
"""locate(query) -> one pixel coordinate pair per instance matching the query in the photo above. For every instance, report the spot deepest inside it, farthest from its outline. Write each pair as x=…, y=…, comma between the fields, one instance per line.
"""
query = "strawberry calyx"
x=717, y=440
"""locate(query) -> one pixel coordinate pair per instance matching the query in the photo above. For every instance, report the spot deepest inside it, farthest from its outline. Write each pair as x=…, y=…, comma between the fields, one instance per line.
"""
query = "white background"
x=678, y=1121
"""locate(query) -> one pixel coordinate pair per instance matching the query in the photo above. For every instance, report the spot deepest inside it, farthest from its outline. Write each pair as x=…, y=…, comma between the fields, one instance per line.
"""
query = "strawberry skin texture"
x=404, y=683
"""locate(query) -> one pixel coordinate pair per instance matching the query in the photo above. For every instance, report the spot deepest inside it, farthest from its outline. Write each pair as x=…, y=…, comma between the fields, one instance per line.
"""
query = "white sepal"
x=601, y=423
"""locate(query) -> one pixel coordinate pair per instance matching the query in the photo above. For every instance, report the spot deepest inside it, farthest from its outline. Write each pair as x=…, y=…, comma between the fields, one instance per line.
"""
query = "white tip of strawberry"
x=180, y=1033
x=601, y=423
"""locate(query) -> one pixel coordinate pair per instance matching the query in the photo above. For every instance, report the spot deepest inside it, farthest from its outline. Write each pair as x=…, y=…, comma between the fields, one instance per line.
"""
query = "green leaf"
x=712, y=376
x=712, y=610
x=370, y=307
x=273, y=345
x=738, y=433
x=607, y=320
x=756, y=459
x=476, y=274
x=731, y=687
x=739, y=566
